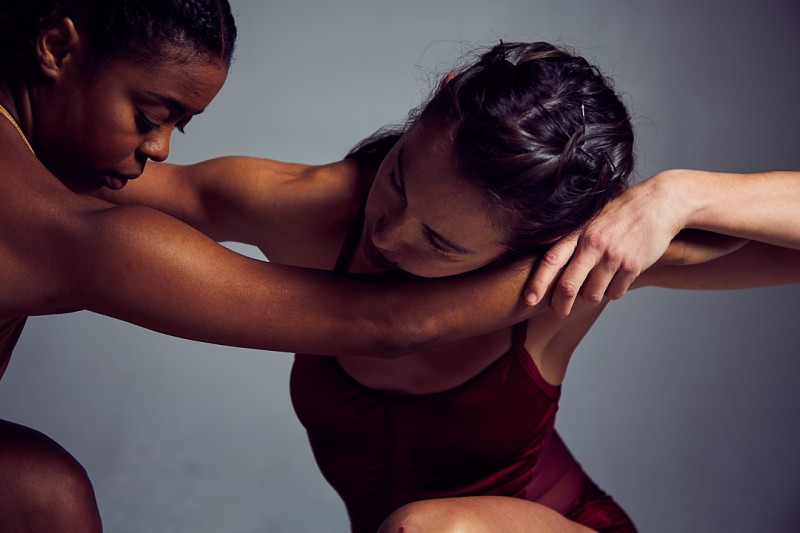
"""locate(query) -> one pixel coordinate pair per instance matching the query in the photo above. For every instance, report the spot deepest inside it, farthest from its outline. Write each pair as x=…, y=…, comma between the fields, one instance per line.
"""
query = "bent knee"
x=41, y=481
x=430, y=516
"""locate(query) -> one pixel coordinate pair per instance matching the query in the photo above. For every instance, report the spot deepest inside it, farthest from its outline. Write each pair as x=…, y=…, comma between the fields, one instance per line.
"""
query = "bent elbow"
x=398, y=335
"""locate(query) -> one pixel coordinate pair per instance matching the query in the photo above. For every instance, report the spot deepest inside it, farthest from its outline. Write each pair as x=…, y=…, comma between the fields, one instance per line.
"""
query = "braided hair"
x=138, y=28
x=538, y=129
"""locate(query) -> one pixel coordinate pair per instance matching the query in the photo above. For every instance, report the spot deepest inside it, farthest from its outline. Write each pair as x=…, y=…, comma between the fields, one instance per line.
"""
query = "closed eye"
x=395, y=175
x=442, y=244
x=391, y=177
x=146, y=125
x=435, y=245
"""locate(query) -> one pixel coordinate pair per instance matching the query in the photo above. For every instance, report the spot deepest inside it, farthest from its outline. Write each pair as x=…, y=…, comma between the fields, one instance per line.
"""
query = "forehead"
x=190, y=80
x=440, y=192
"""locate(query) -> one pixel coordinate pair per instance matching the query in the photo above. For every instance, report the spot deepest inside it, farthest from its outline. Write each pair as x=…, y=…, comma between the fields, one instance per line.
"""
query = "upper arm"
x=61, y=251
x=266, y=203
x=144, y=267
x=140, y=265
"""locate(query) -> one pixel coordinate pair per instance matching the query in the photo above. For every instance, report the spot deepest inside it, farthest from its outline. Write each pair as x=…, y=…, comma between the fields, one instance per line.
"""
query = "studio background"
x=683, y=405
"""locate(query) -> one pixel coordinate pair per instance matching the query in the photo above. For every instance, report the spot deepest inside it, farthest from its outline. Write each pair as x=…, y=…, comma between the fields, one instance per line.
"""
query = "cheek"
x=108, y=146
x=427, y=263
x=108, y=123
x=93, y=138
x=419, y=259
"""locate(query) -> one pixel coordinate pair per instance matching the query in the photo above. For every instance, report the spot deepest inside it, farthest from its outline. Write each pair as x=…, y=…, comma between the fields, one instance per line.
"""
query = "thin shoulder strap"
x=5, y=113
x=519, y=334
x=350, y=243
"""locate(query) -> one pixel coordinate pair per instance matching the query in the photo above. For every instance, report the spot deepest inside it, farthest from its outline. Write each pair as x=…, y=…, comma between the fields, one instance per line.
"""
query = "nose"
x=389, y=234
x=156, y=145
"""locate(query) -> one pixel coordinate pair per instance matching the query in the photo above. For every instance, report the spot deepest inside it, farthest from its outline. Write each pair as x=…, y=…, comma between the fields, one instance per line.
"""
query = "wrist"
x=682, y=191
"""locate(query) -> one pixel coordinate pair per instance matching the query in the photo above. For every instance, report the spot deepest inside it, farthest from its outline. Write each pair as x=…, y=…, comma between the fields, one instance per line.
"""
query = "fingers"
x=549, y=267
x=620, y=284
x=589, y=272
x=596, y=272
x=571, y=282
x=593, y=264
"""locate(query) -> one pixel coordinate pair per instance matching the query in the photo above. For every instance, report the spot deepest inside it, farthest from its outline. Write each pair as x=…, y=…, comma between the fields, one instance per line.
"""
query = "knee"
x=60, y=487
x=429, y=516
x=44, y=488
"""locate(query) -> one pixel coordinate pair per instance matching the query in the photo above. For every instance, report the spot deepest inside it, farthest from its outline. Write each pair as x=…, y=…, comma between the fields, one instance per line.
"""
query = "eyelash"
x=146, y=125
x=392, y=177
x=438, y=248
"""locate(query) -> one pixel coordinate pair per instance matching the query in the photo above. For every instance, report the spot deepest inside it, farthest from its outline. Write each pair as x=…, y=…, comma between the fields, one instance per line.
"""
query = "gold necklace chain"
x=6, y=114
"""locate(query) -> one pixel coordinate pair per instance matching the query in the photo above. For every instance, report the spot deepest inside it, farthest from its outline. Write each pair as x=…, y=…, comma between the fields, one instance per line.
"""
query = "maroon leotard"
x=10, y=330
x=493, y=435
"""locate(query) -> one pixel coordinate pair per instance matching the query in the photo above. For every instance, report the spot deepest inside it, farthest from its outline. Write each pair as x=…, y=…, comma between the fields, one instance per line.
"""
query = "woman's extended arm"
x=196, y=288
x=142, y=266
x=635, y=229
x=761, y=206
x=756, y=264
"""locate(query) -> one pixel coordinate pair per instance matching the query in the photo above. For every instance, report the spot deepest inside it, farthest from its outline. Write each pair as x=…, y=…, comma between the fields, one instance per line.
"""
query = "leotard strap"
x=6, y=114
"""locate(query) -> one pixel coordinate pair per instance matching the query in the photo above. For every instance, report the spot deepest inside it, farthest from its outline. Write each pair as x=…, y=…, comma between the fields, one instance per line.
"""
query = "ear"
x=56, y=46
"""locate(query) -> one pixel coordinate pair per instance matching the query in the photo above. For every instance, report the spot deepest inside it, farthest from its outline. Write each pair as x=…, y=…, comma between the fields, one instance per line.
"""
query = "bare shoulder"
x=41, y=224
x=306, y=223
x=286, y=209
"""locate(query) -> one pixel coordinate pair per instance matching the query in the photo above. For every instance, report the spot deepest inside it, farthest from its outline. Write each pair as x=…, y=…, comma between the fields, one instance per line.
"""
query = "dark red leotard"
x=10, y=330
x=493, y=435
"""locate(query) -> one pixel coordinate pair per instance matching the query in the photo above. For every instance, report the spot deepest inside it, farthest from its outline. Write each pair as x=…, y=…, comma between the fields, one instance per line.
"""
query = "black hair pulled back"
x=137, y=28
x=540, y=130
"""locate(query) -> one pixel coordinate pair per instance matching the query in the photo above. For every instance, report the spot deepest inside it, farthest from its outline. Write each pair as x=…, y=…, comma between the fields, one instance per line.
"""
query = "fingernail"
x=531, y=298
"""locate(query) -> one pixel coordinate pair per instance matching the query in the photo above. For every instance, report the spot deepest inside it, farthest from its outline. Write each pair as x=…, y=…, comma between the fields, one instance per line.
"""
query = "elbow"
x=398, y=335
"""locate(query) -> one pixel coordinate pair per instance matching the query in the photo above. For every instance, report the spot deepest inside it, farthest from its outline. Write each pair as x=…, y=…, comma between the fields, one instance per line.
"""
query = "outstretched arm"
x=635, y=230
x=246, y=302
x=144, y=267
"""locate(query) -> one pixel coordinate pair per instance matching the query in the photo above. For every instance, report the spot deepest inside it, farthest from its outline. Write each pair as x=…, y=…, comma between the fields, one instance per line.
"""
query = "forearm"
x=761, y=206
x=164, y=276
x=756, y=264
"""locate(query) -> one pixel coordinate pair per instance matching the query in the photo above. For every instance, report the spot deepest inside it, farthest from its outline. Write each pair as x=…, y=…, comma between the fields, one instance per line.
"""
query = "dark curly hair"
x=540, y=130
x=137, y=28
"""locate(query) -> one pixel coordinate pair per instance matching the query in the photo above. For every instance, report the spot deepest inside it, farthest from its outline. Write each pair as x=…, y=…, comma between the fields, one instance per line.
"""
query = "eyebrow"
x=172, y=103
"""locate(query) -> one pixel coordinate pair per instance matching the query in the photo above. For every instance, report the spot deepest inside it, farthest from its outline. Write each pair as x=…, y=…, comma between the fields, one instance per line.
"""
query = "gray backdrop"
x=683, y=405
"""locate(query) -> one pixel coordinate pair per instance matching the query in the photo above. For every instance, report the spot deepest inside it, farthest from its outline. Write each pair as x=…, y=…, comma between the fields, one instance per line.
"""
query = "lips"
x=115, y=181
